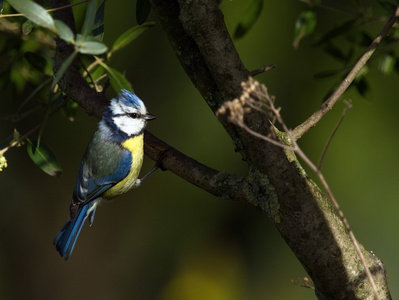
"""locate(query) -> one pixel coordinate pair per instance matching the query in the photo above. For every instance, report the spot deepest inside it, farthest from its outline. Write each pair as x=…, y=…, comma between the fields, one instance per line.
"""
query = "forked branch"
x=235, y=111
x=330, y=102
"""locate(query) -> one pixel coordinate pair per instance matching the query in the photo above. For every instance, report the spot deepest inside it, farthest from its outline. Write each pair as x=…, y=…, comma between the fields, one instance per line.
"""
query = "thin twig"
x=31, y=95
x=319, y=174
x=235, y=110
x=333, y=9
x=347, y=108
x=86, y=72
x=48, y=10
x=19, y=140
x=99, y=79
x=19, y=116
x=329, y=103
x=261, y=70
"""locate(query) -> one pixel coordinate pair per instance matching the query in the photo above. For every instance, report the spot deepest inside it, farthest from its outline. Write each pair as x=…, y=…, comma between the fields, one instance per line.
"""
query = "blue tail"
x=65, y=240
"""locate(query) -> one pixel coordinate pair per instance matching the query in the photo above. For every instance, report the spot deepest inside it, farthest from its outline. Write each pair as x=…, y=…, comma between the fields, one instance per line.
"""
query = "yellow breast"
x=136, y=146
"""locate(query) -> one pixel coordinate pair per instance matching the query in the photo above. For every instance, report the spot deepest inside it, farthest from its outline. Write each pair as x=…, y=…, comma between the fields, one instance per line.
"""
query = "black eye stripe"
x=131, y=115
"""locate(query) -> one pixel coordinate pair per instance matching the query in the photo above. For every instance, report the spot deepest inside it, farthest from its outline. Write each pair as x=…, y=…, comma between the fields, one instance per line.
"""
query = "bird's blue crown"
x=129, y=99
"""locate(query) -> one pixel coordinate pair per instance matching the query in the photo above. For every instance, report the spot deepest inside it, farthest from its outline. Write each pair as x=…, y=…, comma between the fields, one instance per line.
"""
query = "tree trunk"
x=276, y=183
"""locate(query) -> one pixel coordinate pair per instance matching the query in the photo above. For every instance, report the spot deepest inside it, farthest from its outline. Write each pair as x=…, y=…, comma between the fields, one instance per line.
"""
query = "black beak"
x=149, y=117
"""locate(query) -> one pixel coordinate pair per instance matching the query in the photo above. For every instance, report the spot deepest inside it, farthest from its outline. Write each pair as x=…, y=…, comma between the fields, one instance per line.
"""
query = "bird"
x=110, y=166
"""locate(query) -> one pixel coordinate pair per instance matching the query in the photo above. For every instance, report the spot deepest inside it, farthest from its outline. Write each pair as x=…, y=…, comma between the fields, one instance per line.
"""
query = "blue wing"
x=89, y=185
x=98, y=172
x=104, y=164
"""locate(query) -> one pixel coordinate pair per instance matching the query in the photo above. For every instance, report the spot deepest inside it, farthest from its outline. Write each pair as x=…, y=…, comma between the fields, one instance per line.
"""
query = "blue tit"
x=110, y=165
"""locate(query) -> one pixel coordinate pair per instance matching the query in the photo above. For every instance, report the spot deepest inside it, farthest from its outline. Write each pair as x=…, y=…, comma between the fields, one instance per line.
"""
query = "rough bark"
x=278, y=185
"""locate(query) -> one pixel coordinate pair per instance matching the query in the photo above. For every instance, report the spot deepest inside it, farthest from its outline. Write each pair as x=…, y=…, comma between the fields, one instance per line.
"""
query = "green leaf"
x=387, y=64
x=335, y=52
x=98, y=27
x=117, y=80
x=388, y=6
x=248, y=18
x=27, y=27
x=128, y=36
x=360, y=83
x=96, y=73
x=89, y=18
x=336, y=31
x=363, y=39
x=65, y=65
x=44, y=158
x=362, y=86
x=143, y=8
x=34, y=12
x=16, y=136
x=326, y=73
x=93, y=47
x=64, y=31
x=304, y=26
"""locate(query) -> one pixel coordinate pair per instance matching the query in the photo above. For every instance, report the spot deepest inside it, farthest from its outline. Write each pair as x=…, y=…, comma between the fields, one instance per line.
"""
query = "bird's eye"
x=133, y=115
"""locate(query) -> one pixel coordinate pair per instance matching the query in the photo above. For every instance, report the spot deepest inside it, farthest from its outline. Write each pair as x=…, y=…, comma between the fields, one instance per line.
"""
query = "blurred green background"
x=170, y=240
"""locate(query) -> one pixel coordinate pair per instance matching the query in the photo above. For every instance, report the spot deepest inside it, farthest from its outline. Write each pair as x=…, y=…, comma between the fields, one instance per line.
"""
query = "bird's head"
x=127, y=114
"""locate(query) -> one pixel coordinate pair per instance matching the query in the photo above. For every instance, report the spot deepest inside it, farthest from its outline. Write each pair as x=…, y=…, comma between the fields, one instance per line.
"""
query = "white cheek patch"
x=128, y=125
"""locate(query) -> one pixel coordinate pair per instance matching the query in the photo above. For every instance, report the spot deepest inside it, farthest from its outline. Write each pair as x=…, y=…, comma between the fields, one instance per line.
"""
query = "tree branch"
x=218, y=183
x=72, y=83
x=329, y=103
x=304, y=216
